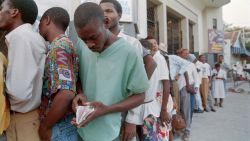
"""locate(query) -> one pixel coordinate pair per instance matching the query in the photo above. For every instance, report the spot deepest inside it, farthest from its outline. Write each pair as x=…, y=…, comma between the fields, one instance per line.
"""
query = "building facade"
x=176, y=23
x=180, y=23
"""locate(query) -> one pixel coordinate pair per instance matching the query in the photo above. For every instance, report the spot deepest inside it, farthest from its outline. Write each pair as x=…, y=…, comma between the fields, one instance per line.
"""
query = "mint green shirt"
x=109, y=77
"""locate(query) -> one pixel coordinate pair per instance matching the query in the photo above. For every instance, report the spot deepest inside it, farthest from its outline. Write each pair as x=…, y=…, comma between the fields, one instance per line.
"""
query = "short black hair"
x=27, y=8
x=201, y=55
x=145, y=43
x=150, y=37
x=59, y=17
x=117, y=5
x=86, y=13
x=217, y=65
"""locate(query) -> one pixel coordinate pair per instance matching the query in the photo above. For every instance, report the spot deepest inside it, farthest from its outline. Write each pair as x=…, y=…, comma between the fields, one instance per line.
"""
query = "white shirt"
x=192, y=77
x=134, y=116
x=162, y=68
x=206, y=70
x=133, y=41
x=137, y=115
x=177, y=65
x=198, y=65
x=163, y=74
x=26, y=57
x=220, y=74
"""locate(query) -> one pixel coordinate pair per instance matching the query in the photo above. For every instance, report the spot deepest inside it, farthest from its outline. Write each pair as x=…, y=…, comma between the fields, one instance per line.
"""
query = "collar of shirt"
x=18, y=29
x=55, y=40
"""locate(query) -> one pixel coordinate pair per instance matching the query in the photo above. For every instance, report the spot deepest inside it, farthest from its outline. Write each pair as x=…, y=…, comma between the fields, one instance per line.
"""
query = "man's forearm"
x=59, y=107
x=127, y=104
x=186, y=78
x=165, y=96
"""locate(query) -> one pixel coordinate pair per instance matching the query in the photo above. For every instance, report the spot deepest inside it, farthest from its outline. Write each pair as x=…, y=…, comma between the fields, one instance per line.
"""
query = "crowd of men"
x=134, y=86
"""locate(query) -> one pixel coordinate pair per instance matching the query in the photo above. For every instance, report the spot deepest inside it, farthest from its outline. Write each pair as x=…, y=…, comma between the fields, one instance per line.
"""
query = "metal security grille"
x=174, y=34
x=191, y=38
x=153, y=26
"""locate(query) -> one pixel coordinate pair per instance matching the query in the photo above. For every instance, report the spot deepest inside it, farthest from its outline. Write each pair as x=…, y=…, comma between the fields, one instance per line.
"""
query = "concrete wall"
x=208, y=15
x=227, y=52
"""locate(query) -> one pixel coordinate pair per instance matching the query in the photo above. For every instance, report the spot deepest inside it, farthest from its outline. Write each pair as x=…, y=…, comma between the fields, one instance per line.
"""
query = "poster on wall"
x=127, y=10
x=215, y=41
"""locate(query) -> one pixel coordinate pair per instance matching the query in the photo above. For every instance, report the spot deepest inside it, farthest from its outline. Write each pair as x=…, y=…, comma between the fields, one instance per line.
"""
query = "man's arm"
x=149, y=65
x=123, y=106
x=59, y=108
x=164, y=113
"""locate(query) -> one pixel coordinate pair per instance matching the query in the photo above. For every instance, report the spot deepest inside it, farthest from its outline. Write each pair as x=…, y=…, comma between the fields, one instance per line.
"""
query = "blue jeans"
x=64, y=130
x=2, y=138
x=192, y=99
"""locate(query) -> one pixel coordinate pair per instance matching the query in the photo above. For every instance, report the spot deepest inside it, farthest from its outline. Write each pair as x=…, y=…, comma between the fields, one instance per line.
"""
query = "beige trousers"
x=204, y=91
x=23, y=127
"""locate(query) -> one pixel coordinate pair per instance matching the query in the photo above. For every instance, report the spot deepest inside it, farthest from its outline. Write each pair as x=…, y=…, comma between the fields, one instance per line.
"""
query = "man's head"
x=192, y=58
x=112, y=12
x=221, y=58
x=154, y=43
x=145, y=43
x=16, y=12
x=184, y=53
x=202, y=58
x=54, y=18
x=89, y=24
x=217, y=66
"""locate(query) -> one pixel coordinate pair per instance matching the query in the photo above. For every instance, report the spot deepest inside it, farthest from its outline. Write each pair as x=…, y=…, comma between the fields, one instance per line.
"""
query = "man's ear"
x=14, y=12
x=47, y=20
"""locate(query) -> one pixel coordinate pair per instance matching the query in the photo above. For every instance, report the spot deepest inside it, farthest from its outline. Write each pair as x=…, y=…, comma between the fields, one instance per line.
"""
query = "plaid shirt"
x=61, y=69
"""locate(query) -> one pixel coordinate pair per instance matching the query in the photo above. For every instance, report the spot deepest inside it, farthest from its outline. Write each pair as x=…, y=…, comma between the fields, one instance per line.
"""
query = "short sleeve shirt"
x=109, y=77
x=60, y=71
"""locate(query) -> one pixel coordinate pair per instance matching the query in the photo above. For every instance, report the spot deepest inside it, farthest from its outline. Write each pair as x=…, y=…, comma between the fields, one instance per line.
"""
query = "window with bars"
x=174, y=34
x=191, y=38
x=153, y=26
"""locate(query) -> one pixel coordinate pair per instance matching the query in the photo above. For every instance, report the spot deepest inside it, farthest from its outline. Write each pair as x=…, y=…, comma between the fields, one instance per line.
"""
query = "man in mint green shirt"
x=112, y=75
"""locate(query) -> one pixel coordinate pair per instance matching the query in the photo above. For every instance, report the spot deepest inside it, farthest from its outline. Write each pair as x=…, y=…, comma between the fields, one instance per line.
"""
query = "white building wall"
x=193, y=11
x=227, y=52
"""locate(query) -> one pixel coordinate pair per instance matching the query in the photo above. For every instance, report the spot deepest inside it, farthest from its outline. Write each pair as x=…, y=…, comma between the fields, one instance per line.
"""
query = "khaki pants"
x=204, y=91
x=23, y=127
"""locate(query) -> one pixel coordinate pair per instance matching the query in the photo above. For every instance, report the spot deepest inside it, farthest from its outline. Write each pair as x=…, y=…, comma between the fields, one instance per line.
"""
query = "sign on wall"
x=215, y=41
x=127, y=10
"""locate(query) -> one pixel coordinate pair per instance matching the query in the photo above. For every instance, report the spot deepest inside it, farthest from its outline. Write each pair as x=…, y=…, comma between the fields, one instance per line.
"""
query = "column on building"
x=185, y=33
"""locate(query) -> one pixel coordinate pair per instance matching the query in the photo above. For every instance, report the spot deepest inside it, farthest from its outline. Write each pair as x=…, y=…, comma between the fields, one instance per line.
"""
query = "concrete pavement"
x=230, y=123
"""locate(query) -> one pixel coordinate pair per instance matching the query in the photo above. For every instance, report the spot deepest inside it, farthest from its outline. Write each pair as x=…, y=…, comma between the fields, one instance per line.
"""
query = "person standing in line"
x=198, y=101
x=59, y=88
x=112, y=12
x=113, y=78
x=218, y=76
x=4, y=106
x=26, y=59
x=204, y=88
x=187, y=95
x=162, y=98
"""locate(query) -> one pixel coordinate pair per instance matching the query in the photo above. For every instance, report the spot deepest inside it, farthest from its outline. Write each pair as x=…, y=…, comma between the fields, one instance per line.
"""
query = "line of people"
x=134, y=86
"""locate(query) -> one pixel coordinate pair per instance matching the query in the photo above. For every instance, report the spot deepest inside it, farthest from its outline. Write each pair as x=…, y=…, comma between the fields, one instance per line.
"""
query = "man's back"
x=26, y=56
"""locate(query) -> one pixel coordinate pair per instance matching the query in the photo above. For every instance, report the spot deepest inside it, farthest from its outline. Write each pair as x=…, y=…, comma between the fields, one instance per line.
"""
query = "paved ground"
x=230, y=123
